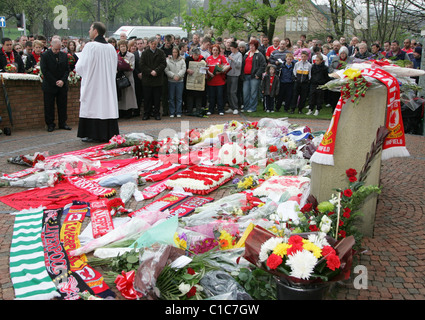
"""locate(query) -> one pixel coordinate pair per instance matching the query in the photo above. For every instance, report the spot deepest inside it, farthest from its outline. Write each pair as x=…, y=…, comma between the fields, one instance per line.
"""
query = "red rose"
x=306, y=208
x=273, y=261
x=352, y=179
x=348, y=193
x=346, y=213
x=342, y=233
x=191, y=292
x=190, y=271
x=333, y=262
x=351, y=172
x=313, y=228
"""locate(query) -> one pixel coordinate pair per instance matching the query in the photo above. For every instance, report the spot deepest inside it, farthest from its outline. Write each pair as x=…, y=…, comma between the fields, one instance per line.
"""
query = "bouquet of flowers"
x=73, y=77
x=301, y=259
x=11, y=68
x=147, y=149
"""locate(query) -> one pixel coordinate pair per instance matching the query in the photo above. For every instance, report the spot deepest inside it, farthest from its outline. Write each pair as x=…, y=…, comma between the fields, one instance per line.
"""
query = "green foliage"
x=258, y=283
x=236, y=16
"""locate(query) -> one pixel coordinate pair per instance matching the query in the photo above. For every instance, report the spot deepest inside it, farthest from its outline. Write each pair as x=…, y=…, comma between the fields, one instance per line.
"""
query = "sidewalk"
x=394, y=258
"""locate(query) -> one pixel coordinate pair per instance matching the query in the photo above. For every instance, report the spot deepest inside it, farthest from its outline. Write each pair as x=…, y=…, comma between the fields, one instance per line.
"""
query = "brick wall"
x=26, y=102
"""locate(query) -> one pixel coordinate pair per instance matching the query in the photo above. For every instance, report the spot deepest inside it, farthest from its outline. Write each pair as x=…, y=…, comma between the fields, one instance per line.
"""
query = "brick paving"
x=394, y=258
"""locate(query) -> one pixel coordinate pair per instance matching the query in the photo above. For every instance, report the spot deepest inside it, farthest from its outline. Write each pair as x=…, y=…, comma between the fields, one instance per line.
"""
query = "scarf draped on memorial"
x=27, y=268
x=394, y=144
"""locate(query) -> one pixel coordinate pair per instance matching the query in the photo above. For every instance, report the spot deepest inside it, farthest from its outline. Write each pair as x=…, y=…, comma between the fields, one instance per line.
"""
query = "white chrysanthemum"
x=318, y=239
x=302, y=264
x=267, y=247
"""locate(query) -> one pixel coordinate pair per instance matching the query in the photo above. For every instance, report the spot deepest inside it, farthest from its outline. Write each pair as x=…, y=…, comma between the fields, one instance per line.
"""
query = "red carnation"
x=346, y=213
x=273, y=149
x=273, y=261
x=327, y=250
x=352, y=179
x=295, y=240
x=190, y=271
x=333, y=262
x=294, y=249
x=348, y=193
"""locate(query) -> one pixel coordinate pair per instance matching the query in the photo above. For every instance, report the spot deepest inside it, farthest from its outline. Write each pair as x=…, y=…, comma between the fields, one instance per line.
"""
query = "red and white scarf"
x=10, y=59
x=395, y=143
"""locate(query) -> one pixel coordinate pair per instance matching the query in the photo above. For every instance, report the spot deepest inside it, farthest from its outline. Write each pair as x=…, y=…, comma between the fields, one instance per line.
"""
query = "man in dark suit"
x=152, y=64
x=137, y=74
x=55, y=69
x=10, y=56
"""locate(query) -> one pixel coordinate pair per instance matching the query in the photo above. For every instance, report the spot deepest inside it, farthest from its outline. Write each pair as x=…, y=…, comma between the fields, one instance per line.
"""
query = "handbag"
x=122, y=81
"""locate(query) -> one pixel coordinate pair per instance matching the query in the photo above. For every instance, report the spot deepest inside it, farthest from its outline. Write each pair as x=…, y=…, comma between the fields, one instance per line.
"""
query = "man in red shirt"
x=273, y=47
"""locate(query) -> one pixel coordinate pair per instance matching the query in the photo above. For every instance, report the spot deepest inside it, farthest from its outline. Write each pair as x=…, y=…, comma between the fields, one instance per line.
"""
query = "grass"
x=325, y=113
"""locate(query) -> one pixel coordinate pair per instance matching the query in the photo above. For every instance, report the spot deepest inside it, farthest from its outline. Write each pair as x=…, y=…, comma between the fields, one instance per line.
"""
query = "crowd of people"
x=280, y=75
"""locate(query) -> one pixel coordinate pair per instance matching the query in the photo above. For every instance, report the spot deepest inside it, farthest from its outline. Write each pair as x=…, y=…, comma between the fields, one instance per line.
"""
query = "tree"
x=236, y=16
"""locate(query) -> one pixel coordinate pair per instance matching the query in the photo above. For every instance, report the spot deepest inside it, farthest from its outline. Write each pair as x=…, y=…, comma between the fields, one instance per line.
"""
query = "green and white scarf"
x=27, y=267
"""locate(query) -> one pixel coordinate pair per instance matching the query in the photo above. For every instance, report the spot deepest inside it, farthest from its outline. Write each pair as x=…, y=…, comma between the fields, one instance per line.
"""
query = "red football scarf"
x=189, y=205
x=10, y=59
x=100, y=218
x=161, y=172
x=68, y=283
x=70, y=230
x=49, y=197
x=91, y=187
x=395, y=143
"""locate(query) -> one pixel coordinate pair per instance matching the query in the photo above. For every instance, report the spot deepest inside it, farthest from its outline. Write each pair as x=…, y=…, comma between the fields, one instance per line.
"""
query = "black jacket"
x=258, y=65
x=18, y=61
x=319, y=74
x=153, y=61
x=54, y=68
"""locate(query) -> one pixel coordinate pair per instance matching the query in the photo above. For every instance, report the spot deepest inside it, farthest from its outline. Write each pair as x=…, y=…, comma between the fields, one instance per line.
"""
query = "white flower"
x=325, y=224
x=184, y=287
x=302, y=264
x=318, y=239
x=267, y=247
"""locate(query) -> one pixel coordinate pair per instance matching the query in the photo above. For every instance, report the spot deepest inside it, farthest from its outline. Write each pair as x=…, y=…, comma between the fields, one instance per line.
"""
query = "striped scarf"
x=27, y=268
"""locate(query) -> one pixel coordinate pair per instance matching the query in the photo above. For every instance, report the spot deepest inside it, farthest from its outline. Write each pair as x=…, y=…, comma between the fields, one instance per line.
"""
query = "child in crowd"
x=270, y=87
x=302, y=82
x=286, y=78
x=319, y=75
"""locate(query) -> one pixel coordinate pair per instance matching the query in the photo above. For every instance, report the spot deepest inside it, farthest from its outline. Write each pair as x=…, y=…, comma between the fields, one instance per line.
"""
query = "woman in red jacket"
x=216, y=79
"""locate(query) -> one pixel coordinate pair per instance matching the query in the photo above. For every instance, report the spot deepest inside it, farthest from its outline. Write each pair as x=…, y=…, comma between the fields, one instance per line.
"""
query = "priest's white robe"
x=97, y=66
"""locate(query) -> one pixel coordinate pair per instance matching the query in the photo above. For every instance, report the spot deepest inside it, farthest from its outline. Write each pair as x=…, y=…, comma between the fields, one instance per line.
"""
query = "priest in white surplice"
x=97, y=66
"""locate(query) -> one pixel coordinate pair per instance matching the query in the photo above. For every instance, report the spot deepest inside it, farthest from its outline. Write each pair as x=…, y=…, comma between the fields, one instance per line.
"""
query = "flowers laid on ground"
x=200, y=179
x=231, y=154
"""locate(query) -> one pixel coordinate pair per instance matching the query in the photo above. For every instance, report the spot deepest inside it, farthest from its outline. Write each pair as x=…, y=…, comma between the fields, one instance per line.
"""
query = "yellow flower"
x=309, y=246
x=272, y=172
x=246, y=183
x=281, y=249
x=181, y=243
x=352, y=73
x=225, y=240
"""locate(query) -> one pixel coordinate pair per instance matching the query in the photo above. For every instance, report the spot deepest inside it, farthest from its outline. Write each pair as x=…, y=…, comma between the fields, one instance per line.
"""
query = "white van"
x=148, y=31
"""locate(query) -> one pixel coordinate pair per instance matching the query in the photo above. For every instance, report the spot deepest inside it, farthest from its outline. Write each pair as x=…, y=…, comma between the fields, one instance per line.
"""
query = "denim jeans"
x=216, y=96
x=250, y=93
x=175, y=97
